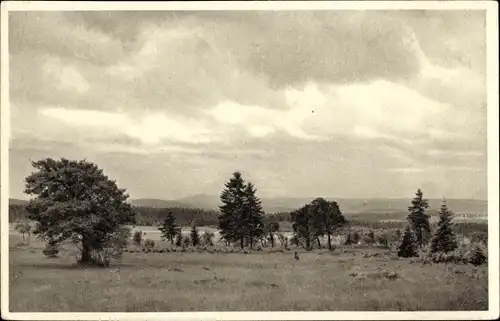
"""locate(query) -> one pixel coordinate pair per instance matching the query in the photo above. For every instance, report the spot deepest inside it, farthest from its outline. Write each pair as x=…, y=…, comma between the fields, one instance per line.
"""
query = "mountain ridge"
x=287, y=204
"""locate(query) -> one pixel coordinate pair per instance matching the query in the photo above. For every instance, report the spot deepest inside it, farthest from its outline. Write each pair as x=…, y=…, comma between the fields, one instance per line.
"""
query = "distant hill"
x=283, y=204
x=15, y=201
x=157, y=203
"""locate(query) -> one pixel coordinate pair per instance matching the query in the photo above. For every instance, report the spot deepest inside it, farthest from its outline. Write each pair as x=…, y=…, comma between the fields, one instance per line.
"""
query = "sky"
x=348, y=104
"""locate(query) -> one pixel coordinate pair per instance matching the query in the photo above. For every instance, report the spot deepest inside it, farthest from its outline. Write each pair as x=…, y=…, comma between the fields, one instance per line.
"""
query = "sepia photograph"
x=259, y=160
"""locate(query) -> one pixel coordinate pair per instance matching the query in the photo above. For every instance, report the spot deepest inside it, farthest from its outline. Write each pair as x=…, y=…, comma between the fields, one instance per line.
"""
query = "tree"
x=168, y=228
x=138, y=238
x=178, y=239
x=208, y=238
x=241, y=213
x=254, y=215
x=408, y=246
x=302, y=225
x=75, y=201
x=231, y=220
x=419, y=220
x=326, y=218
x=383, y=239
x=195, y=236
x=24, y=228
x=444, y=239
x=272, y=227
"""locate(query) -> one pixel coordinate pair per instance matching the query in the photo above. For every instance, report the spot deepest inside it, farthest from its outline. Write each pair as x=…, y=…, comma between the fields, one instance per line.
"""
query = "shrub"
x=408, y=246
x=178, y=239
x=149, y=244
x=50, y=250
x=368, y=240
x=138, y=238
x=186, y=242
x=207, y=238
x=475, y=255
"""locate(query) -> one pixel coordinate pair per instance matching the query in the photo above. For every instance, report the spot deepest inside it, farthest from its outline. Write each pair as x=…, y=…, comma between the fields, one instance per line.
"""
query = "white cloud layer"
x=362, y=94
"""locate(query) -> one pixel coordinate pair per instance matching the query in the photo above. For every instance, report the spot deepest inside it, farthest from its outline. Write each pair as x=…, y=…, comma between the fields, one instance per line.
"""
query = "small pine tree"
x=138, y=238
x=195, y=236
x=178, y=239
x=186, y=242
x=444, y=239
x=476, y=256
x=419, y=220
x=408, y=246
x=168, y=228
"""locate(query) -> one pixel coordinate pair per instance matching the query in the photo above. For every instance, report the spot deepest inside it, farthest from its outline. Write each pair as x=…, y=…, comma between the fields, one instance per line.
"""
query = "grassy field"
x=357, y=279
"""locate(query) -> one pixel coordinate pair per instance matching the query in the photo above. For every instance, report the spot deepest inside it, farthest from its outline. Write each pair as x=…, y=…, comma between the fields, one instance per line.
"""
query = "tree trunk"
x=308, y=243
x=171, y=240
x=319, y=243
x=241, y=243
x=271, y=238
x=251, y=241
x=85, y=251
x=329, y=242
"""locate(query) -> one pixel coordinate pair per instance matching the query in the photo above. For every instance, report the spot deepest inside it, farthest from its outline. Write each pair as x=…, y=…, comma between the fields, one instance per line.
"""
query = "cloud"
x=306, y=99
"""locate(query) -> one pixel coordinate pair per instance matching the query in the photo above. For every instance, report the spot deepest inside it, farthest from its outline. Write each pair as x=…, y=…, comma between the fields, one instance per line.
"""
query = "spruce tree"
x=178, y=239
x=444, y=238
x=168, y=228
x=408, y=246
x=254, y=215
x=231, y=221
x=195, y=236
x=419, y=220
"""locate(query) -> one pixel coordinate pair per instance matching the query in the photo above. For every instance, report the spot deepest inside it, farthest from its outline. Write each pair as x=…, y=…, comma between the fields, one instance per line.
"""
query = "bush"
x=475, y=255
x=138, y=238
x=368, y=240
x=186, y=242
x=464, y=254
x=207, y=238
x=149, y=244
x=50, y=250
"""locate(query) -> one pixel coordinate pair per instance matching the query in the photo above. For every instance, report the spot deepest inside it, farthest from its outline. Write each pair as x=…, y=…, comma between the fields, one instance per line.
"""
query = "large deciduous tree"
x=327, y=218
x=75, y=200
x=302, y=225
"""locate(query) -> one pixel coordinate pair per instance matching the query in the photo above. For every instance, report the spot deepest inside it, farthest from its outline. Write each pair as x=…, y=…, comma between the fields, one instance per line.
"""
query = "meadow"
x=346, y=279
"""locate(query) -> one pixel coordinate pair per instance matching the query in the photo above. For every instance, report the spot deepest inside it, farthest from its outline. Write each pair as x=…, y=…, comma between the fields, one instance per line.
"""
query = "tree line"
x=74, y=201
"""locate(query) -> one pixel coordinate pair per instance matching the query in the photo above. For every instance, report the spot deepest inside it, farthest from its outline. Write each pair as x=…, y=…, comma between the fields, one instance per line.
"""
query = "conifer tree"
x=419, y=220
x=231, y=221
x=408, y=246
x=195, y=236
x=254, y=214
x=168, y=228
x=444, y=239
x=178, y=239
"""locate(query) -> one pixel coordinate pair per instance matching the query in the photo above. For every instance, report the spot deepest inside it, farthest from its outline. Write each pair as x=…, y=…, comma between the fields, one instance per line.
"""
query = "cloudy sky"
x=324, y=103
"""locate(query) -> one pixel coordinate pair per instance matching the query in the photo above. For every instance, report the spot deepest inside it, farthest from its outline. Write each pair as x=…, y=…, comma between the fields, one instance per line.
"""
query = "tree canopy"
x=75, y=200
